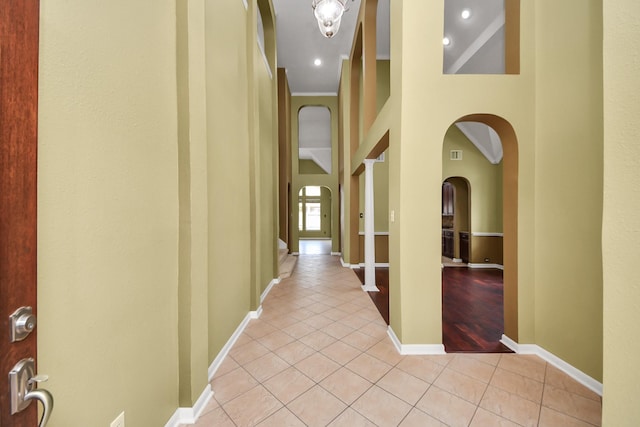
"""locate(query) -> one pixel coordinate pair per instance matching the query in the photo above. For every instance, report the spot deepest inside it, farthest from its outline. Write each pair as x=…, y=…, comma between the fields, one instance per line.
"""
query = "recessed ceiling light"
x=446, y=41
x=317, y=62
x=466, y=14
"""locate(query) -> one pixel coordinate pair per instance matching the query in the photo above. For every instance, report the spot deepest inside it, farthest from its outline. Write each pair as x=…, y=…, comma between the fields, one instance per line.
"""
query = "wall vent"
x=455, y=155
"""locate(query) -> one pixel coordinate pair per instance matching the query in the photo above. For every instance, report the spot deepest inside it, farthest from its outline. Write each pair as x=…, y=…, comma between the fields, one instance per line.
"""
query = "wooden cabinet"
x=448, y=200
x=447, y=243
x=464, y=246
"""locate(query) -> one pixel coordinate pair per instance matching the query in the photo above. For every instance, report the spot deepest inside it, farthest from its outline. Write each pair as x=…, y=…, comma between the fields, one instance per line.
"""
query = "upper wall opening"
x=481, y=38
x=314, y=140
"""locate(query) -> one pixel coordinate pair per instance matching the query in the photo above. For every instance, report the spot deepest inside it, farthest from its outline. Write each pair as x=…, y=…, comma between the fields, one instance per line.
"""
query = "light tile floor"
x=319, y=355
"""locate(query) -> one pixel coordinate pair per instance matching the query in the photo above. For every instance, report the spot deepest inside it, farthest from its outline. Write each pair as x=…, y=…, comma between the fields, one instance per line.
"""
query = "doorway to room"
x=314, y=220
x=479, y=300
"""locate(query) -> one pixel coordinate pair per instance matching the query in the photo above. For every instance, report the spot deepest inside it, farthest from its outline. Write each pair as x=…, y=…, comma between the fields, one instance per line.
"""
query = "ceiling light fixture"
x=329, y=13
x=466, y=14
x=446, y=41
x=317, y=62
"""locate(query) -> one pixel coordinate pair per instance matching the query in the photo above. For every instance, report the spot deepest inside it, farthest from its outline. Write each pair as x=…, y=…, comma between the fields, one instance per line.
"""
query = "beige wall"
x=621, y=221
x=563, y=78
x=108, y=211
x=327, y=180
x=145, y=255
x=568, y=194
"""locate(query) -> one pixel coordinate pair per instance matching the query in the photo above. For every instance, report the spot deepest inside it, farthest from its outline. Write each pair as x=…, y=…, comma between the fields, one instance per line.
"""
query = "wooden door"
x=19, y=20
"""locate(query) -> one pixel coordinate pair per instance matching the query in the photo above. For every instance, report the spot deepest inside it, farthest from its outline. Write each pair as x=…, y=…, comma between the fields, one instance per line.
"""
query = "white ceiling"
x=477, y=47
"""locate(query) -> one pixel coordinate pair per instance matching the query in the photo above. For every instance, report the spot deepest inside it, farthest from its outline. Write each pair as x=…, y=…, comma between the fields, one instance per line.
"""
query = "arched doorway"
x=456, y=221
x=314, y=220
x=482, y=149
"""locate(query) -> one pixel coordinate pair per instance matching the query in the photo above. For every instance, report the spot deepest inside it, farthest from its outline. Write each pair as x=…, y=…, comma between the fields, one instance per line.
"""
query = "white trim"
x=375, y=233
x=383, y=56
x=270, y=286
x=295, y=253
x=314, y=94
x=246, y=5
x=256, y=314
x=191, y=415
x=336, y=253
x=370, y=288
x=554, y=360
x=481, y=265
x=415, y=349
x=483, y=234
x=225, y=350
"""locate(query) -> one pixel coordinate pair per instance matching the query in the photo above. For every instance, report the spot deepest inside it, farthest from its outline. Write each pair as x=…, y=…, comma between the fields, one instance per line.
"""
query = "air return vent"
x=455, y=155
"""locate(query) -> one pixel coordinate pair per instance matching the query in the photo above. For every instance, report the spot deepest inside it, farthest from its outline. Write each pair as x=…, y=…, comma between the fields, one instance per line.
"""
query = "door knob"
x=23, y=383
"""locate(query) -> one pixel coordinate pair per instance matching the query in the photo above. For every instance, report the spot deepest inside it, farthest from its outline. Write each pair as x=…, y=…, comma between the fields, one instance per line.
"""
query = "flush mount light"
x=317, y=62
x=446, y=41
x=466, y=14
x=329, y=13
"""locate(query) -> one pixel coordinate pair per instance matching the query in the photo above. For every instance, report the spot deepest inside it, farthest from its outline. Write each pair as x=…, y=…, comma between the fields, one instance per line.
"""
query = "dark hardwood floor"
x=472, y=308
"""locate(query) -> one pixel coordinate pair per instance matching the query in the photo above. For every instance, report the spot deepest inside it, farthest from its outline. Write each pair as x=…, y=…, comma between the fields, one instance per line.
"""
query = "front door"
x=19, y=22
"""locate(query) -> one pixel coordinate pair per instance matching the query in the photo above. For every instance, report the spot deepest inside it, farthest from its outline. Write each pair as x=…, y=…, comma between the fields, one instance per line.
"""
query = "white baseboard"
x=256, y=314
x=336, y=253
x=554, y=360
x=191, y=415
x=232, y=340
x=484, y=265
x=295, y=253
x=415, y=349
x=346, y=264
x=268, y=289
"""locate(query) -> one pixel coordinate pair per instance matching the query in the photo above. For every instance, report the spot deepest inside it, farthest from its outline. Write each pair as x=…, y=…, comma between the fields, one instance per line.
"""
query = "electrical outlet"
x=118, y=422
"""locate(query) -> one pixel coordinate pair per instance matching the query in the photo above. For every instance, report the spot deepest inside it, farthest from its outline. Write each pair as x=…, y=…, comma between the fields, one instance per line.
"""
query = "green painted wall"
x=553, y=107
x=621, y=222
x=145, y=147
x=228, y=166
x=569, y=167
x=108, y=211
x=485, y=180
x=192, y=165
x=327, y=180
x=309, y=167
x=268, y=175
x=383, y=84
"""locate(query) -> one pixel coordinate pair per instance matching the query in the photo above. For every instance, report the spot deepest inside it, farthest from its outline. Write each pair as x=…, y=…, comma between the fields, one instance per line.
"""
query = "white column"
x=369, y=236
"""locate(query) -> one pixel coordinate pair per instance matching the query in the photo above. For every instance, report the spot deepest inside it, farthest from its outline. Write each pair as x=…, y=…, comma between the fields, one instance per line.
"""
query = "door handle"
x=23, y=386
x=47, y=403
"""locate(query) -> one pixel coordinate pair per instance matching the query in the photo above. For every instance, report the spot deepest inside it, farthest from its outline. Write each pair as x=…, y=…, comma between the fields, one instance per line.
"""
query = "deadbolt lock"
x=23, y=321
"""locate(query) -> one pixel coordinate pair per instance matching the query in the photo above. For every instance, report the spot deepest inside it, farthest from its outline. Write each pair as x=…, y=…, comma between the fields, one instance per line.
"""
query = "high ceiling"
x=477, y=47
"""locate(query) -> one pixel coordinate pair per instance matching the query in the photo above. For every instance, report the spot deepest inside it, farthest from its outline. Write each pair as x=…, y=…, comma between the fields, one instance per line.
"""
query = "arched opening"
x=314, y=220
x=480, y=300
x=456, y=221
x=314, y=140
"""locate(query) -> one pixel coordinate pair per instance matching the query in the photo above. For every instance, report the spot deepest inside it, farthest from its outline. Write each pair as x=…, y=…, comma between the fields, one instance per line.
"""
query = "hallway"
x=320, y=355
